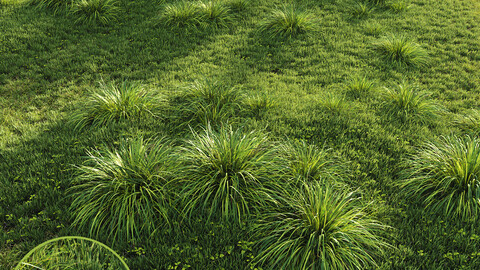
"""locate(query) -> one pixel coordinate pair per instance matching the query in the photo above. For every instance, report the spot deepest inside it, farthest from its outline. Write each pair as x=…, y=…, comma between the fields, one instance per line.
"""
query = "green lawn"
x=298, y=87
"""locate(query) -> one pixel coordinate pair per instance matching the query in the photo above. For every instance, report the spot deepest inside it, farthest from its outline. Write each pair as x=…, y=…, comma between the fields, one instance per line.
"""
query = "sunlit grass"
x=288, y=21
x=400, y=50
x=122, y=194
x=227, y=173
x=113, y=102
x=444, y=174
x=95, y=11
x=318, y=227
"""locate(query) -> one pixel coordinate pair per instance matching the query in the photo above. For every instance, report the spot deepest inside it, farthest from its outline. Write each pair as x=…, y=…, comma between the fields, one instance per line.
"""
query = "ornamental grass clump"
x=287, y=22
x=95, y=11
x=318, y=227
x=444, y=174
x=72, y=252
x=210, y=101
x=360, y=86
x=228, y=173
x=215, y=14
x=182, y=14
x=401, y=51
x=406, y=103
x=361, y=9
x=308, y=163
x=124, y=194
x=113, y=103
x=54, y=5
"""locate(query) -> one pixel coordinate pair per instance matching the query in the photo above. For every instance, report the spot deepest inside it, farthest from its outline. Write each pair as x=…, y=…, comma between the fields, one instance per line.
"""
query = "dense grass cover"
x=327, y=97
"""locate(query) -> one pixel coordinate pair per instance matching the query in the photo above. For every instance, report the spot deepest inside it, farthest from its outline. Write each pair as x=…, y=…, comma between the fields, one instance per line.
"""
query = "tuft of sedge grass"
x=360, y=86
x=227, y=174
x=373, y=28
x=398, y=6
x=445, y=175
x=54, y=5
x=238, y=5
x=287, y=22
x=405, y=102
x=308, y=163
x=72, y=252
x=95, y=11
x=469, y=122
x=361, y=9
x=182, y=14
x=122, y=195
x=115, y=102
x=401, y=51
x=215, y=14
x=333, y=103
x=259, y=104
x=318, y=227
x=209, y=101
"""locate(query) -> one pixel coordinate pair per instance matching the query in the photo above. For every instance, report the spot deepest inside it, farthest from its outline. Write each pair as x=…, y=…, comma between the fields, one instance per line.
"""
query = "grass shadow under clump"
x=122, y=195
x=444, y=174
x=406, y=103
x=319, y=227
x=401, y=51
x=287, y=22
x=113, y=103
x=95, y=11
x=227, y=173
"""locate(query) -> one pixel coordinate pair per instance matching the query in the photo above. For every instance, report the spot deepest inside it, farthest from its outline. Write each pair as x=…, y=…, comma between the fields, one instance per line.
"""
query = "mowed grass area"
x=331, y=85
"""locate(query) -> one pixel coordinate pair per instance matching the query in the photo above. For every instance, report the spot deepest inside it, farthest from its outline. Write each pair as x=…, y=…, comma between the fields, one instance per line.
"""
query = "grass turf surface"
x=48, y=63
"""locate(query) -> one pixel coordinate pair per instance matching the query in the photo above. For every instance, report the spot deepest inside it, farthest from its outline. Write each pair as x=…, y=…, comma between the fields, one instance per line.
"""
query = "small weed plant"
x=288, y=21
x=112, y=103
x=401, y=51
x=123, y=194
x=444, y=174
x=406, y=103
x=319, y=227
x=227, y=173
x=95, y=11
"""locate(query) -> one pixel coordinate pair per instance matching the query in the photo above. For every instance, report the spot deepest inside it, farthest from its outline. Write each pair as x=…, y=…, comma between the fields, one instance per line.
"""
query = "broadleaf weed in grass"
x=123, y=195
x=401, y=51
x=227, y=173
x=95, y=11
x=407, y=103
x=112, y=103
x=318, y=227
x=444, y=174
x=287, y=22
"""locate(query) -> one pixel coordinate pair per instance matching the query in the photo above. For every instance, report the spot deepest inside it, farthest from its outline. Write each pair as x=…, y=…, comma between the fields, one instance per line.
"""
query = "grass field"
x=343, y=93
